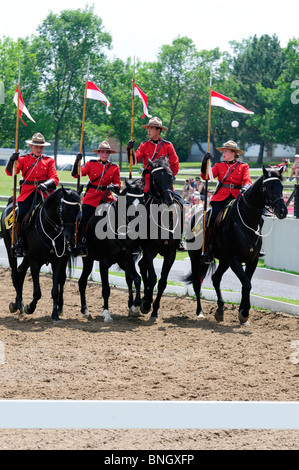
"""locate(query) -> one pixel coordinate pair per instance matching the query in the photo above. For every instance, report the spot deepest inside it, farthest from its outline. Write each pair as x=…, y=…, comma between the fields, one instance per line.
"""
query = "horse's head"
x=68, y=210
x=273, y=191
x=161, y=178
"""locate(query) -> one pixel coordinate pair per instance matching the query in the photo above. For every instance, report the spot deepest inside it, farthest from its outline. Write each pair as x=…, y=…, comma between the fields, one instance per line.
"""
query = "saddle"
x=222, y=215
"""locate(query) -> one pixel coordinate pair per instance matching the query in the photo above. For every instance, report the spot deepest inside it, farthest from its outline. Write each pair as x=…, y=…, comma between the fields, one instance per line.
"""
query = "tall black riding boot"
x=207, y=257
x=18, y=247
x=81, y=248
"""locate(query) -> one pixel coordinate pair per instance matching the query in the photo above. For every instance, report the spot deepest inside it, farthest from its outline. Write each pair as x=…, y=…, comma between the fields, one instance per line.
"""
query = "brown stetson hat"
x=38, y=139
x=104, y=146
x=155, y=122
x=231, y=145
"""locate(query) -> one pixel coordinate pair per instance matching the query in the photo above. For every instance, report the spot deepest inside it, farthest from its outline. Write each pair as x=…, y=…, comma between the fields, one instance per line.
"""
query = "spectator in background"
x=200, y=187
x=197, y=203
x=295, y=169
x=186, y=193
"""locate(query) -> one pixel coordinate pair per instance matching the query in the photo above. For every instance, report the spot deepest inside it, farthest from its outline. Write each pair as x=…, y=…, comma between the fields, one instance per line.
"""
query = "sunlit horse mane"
x=164, y=163
x=69, y=193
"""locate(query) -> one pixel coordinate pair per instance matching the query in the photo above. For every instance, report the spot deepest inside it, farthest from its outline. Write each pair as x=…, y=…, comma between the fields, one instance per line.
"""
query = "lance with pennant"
x=15, y=165
x=207, y=168
x=81, y=146
x=132, y=121
x=82, y=127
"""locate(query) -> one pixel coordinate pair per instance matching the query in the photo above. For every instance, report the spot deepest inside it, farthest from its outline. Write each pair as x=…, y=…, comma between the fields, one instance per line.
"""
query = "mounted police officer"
x=153, y=148
x=233, y=177
x=103, y=176
x=38, y=173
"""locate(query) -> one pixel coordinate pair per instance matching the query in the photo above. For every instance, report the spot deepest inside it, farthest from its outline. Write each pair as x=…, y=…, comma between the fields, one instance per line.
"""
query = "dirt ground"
x=178, y=357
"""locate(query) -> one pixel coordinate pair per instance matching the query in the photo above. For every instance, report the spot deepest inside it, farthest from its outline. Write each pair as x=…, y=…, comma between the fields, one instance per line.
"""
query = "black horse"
x=48, y=237
x=163, y=236
x=238, y=240
x=108, y=241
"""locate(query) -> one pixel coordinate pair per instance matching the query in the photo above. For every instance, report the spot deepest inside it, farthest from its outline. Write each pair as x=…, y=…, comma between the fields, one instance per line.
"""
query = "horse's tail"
x=202, y=271
x=70, y=266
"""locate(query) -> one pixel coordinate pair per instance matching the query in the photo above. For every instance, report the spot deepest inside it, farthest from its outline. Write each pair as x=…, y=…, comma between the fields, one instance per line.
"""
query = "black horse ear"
x=126, y=183
x=81, y=187
x=151, y=164
x=265, y=172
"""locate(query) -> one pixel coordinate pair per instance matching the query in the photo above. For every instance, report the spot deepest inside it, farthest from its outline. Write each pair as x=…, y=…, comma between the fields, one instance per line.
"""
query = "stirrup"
x=207, y=257
x=17, y=250
x=81, y=250
x=181, y=246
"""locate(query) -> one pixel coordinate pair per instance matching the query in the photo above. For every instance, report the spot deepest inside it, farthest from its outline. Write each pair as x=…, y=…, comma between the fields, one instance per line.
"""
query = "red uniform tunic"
x=239, y=177
x=35, y=170
x=100, y=176
x=147, y=150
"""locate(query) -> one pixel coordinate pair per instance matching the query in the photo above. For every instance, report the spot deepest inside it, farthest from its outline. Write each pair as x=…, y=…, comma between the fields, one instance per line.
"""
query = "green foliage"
x=258, y=74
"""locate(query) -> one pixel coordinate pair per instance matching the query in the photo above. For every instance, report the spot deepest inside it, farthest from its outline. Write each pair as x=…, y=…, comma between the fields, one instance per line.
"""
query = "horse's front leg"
x=35, y=270
x=245, y=301
x=167, y=264
x=18, y=276
x=82, y=283
x=246, y=288
x=149, y=278
x=104, y=271
x=134, y=305
x=216, y=279
x=198, y=271
x=57, y=289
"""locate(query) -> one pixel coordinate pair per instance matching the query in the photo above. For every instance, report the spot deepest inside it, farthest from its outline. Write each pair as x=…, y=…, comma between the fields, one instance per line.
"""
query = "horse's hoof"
x=107, y=317
x=144, y=308
x=243, y=320
x=27, y=310
x=219, y=316
x=13, y=307
x=200, y=315
x=154, y=317
x=134, y=312
x=87, y=316
x=57, y=321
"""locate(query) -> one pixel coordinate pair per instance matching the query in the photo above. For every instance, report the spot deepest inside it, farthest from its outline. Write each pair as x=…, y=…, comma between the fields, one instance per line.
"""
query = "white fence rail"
x=85, y=414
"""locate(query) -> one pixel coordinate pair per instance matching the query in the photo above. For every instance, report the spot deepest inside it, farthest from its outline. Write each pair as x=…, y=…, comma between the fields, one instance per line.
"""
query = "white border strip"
x=55, y=414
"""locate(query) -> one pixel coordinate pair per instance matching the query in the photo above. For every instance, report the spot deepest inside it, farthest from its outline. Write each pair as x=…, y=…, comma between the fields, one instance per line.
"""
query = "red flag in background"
x=22, y=107
x=95, y=93
x=138, y=92
x=224, y=102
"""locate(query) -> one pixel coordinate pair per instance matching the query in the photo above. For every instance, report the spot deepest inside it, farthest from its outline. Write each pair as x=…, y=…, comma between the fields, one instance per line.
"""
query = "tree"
x=282, y=114
x=257, y=62
x=64, y=44
x=13, y=53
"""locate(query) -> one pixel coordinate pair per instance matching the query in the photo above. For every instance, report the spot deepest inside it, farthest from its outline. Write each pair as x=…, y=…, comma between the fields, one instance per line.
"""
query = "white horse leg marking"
x=106, y=315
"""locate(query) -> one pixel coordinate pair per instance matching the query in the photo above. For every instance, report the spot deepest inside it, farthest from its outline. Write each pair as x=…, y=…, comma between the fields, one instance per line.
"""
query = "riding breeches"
x=216, y=208
x=26, y=205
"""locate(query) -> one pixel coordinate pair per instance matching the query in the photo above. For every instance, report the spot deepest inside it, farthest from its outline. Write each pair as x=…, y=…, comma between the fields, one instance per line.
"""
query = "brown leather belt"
x=100, y=188
x=35, y=182
x=232, y=186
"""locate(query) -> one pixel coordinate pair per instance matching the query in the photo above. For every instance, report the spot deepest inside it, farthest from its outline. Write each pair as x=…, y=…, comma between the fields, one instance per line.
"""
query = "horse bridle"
x=55, y=226
x=164, y=190
x=267, y=199
x=269, y=203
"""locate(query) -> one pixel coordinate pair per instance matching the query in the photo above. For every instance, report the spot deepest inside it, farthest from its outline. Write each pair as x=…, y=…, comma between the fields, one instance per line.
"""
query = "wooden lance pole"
x=132, y=121
x=82, y=127
x=207, y=169
x=15, y=164
x=81, y=148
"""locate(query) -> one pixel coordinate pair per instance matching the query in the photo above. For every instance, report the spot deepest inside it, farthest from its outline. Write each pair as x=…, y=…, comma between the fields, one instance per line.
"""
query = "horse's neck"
x=254, y=199
x=50, y=213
